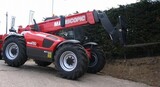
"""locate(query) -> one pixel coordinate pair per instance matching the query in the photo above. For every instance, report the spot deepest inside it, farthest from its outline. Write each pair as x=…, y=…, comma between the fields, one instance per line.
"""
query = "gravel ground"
x=31, y=75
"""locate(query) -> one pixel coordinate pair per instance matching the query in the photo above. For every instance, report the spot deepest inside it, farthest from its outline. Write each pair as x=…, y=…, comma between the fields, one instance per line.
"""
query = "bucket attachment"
x=116, y=34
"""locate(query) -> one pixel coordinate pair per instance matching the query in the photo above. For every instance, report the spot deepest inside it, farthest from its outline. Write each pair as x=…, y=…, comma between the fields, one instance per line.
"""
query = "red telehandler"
x=72, y=57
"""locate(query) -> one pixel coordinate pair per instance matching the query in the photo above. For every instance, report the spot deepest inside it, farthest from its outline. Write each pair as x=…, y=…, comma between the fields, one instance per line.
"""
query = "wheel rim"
x=94, y=60
x=68, y=61
x=12, y=51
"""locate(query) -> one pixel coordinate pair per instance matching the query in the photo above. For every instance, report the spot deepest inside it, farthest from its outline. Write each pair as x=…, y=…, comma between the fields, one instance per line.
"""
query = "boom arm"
x=70, y=21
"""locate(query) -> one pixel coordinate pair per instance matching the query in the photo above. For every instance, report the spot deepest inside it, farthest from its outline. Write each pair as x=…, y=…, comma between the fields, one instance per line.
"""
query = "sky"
x=43, y=8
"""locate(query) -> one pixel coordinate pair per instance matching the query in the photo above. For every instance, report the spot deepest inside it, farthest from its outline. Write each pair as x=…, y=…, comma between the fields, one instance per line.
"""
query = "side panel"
x=39, y=54
x=41, y=45
x=37, y=40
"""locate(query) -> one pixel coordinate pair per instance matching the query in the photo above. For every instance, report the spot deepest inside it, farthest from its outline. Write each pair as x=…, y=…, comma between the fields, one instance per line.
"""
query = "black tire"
x=71, y=61
x=97, y=61
x=42, y=63
x=14, y=51
x=0, y=56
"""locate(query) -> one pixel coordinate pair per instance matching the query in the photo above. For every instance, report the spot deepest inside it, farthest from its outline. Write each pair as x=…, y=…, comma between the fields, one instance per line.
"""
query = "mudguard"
x=90, y=44
x=13, y=35
x=69, y=42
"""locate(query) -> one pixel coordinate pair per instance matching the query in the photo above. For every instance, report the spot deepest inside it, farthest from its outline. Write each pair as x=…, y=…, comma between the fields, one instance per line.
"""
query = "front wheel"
x=71, y=61
x=97, y=61
x=14, y=51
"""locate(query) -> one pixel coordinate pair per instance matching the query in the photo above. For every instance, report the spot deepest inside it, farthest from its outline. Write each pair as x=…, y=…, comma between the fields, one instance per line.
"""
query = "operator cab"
x=76, y=33
x=50, y=18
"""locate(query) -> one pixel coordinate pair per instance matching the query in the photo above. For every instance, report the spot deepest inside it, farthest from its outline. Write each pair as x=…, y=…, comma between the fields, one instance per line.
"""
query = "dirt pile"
x=145, y=70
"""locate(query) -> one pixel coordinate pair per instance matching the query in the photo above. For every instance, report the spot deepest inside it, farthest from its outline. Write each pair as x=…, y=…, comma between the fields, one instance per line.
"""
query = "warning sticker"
x=49, y=55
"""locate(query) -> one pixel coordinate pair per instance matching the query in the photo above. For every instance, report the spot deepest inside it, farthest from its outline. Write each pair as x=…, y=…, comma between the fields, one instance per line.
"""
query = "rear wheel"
x=0, y=57
x=71, y=61
x=97, y=61
x=42, y=63
x=14, y=51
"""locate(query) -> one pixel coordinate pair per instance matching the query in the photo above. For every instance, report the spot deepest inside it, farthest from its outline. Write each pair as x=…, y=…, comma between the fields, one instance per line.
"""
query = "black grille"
x=47, y=43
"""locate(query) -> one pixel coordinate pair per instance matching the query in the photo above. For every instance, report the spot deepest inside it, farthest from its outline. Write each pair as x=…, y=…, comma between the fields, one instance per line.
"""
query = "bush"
x=143, y=22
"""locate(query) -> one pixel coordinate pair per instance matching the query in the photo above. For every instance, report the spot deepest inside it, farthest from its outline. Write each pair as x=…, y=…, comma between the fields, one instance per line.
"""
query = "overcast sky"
x=43, y=8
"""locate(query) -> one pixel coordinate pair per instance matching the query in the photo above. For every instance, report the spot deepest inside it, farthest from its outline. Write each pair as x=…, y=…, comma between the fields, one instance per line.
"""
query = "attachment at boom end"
x=117, y=34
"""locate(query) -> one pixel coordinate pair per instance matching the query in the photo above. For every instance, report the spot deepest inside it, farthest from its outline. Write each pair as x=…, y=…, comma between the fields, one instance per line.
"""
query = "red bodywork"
x=35, y=39
x=38, y=37
x=2, y=37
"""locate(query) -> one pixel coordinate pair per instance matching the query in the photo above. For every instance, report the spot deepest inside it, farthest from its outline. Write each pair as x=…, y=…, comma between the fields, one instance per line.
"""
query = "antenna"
x=13, y=22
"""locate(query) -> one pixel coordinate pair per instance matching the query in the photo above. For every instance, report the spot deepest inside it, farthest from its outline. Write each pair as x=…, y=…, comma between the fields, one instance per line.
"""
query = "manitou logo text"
x=71, y=20
x=32, y=43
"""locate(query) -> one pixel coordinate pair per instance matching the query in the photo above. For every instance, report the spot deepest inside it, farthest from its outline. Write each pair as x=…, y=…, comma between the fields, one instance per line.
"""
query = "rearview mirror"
x=12, y=22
